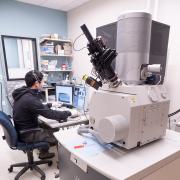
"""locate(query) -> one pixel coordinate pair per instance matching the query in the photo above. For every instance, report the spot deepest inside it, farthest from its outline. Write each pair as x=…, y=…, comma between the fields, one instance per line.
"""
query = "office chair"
x=11, y=137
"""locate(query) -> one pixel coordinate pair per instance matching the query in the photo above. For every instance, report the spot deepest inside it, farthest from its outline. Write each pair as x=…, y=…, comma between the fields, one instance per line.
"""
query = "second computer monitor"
x=73, y=95
x=79, y=97
x=64, y=94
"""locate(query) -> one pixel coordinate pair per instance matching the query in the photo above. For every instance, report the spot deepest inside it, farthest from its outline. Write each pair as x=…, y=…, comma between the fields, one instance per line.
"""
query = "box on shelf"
x=61, y=52
x=58, y=49
x=44, y=65
x=67, y=52
x=67, y=49
x=47, y=49
x=52, y=65
x=54, y=36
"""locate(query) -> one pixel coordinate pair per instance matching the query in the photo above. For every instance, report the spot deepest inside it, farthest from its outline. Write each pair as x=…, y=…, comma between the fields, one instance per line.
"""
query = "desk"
x=159, y=160
x=55, y=124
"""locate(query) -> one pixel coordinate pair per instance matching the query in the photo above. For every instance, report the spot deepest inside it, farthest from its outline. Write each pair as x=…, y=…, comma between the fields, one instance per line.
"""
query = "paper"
x=87, y=146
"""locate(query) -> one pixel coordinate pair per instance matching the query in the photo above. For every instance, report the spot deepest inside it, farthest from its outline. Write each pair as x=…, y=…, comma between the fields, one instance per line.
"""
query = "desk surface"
x=118, y=163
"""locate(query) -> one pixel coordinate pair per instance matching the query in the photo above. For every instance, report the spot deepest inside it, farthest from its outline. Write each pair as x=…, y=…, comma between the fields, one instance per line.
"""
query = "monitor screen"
x=79, y=97
x=64, y=94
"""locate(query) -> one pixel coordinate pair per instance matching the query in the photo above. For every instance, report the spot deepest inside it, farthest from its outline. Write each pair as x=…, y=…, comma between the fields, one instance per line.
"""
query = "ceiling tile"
x=35, y=2
x=73, y=4
x=64, y=5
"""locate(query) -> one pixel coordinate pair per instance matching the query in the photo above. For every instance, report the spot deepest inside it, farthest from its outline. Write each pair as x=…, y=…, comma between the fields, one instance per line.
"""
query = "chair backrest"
x=10, y=133
x=11, y=86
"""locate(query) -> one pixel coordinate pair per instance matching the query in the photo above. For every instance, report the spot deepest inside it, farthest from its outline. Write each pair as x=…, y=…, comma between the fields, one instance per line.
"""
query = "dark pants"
x=43, y=135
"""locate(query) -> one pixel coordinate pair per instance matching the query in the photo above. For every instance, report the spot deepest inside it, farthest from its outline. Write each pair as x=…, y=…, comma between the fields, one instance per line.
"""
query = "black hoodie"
x=27, y=106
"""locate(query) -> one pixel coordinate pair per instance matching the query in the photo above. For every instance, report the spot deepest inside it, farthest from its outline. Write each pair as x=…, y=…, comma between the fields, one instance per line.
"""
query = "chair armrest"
x=33, y=130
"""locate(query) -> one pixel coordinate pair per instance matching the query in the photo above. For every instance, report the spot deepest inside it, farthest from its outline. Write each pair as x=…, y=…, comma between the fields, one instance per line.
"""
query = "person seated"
x=27, y=107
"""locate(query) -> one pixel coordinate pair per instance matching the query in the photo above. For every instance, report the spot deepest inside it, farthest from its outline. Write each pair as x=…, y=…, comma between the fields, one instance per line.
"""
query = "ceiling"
x=64, y=5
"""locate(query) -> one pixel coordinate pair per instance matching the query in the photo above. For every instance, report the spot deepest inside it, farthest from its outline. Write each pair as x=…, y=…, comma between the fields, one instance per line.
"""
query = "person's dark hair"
x=32, y=76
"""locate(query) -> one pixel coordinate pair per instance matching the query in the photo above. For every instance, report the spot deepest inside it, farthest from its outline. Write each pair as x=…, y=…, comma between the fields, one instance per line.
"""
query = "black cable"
x=6, y=92
x=1, y=96
x=75, y=42
x=174, y=113
x=9, y=101
x=84, y=111
x=169, y=123
x=5, y=96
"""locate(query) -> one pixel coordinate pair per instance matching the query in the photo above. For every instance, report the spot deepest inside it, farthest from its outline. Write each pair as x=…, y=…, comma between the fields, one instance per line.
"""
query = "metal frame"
x=5, y=58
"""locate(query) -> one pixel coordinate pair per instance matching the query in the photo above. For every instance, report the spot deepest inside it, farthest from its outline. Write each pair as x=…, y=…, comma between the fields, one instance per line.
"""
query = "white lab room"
x=89, y=90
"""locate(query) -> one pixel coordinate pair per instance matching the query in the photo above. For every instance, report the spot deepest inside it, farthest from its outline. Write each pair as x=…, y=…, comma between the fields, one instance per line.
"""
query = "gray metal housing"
x=133, y=45
x=156, y=54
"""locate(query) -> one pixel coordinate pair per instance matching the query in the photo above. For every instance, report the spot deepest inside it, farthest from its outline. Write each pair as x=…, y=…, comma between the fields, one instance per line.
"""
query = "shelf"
x=57, y=70
x=56, y=55
x=56, y=46
x=54, y=40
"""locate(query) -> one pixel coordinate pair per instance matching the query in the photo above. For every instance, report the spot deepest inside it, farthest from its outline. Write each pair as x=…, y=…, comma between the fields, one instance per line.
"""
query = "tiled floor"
x=9, y=156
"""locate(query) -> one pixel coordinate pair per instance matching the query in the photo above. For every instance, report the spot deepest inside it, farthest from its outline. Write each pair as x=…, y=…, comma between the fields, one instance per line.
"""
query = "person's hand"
x=49, y=105
x=74, y=113
x=68, y=113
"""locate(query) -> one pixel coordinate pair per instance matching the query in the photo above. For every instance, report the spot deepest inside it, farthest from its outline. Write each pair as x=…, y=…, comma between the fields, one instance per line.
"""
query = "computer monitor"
x=79, y=97
x=64, y=94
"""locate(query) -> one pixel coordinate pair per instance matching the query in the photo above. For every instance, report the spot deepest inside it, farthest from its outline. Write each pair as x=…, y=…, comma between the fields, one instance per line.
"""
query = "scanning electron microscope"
x=130, y=106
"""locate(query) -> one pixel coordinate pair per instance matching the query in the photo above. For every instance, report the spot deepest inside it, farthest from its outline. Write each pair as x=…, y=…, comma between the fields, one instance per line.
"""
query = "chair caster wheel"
x=10, y=169
x=50, y=163
x=43, y=177
x=57, y=175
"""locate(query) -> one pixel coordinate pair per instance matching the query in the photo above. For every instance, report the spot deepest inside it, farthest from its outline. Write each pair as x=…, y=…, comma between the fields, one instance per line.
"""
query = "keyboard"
x=82, y=119
x=74, y=112
x=78, y=118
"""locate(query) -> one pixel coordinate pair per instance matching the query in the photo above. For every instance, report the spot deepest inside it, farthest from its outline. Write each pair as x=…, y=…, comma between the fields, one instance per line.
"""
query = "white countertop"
x=118, y=163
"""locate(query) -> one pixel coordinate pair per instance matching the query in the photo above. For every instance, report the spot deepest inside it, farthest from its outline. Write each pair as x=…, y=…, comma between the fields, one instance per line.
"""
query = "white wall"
x=169, y=13
x=100, y=12
x=94, y=14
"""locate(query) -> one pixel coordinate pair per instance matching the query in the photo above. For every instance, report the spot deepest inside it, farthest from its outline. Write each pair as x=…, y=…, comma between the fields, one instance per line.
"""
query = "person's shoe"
x=46, y=155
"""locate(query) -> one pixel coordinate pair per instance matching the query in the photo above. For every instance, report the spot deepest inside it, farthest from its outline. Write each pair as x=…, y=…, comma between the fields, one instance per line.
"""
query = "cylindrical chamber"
x=113, y=128
x=133, y=45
